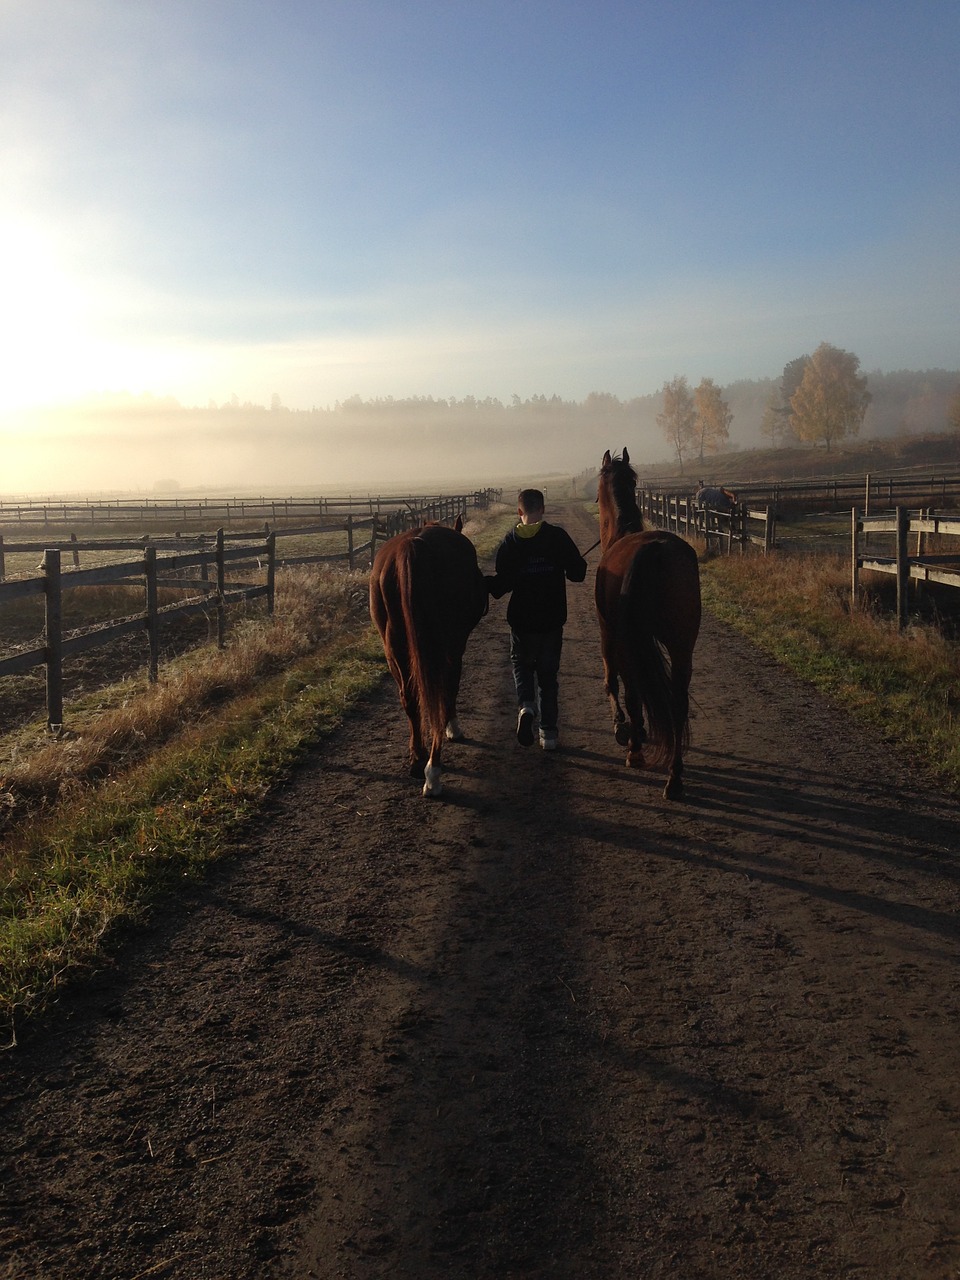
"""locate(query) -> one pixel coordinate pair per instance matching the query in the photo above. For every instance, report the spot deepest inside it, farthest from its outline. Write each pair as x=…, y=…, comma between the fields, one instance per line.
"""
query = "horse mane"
x=622, y=480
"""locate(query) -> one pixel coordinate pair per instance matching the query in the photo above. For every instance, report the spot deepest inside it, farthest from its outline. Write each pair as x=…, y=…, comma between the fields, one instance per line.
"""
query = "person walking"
x=533, y=563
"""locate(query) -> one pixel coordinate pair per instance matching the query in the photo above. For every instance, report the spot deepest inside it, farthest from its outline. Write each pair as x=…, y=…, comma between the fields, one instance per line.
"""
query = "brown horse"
x=648, y=604
x=426, y=595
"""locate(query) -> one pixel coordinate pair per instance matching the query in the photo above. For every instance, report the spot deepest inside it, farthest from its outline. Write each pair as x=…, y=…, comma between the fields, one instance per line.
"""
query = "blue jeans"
x=535, y=657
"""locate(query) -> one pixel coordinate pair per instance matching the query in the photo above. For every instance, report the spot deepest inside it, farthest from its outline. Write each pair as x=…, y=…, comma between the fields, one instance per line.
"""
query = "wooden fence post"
x=53, y=637
x=271, y=570
x=921, y=547
x=854, y=561
x=153, y=622
x=221, y=609
x=350, y=537
x=903, y=566
x=3, y=567
x=76, y=553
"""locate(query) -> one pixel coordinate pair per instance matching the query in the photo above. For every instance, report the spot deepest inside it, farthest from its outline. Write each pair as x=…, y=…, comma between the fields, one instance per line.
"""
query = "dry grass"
x=120, y=725
x=152, y=781
x=797, y=607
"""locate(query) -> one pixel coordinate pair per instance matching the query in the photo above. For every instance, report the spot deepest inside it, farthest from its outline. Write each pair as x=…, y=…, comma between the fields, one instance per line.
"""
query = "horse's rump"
x=435, y=623
x=435, y=595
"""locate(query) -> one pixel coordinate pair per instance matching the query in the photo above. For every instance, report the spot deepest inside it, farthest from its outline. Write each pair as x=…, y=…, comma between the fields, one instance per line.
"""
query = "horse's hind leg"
x=636, y=734
x=681, y=671
x=417, y=750
x=453, y=732
x=432, y=786
x=611, y=685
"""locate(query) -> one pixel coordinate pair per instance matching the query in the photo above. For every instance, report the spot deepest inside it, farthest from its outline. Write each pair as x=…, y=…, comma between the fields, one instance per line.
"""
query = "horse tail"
x=426, y=633
x=644, y=585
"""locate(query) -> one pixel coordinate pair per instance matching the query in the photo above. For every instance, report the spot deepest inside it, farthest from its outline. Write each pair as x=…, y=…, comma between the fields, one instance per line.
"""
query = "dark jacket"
x=535, y=570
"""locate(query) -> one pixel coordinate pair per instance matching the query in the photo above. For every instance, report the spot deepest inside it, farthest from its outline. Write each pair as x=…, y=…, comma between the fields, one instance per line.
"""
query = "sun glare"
x=55, y=349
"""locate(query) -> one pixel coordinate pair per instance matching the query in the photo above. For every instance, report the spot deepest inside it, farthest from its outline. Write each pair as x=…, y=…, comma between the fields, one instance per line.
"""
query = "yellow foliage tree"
x=832, y=398
x=678, y=418
x=712, y=417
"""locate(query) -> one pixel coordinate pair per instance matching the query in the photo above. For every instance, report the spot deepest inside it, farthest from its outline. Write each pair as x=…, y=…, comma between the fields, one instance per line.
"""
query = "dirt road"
x=550, y=1026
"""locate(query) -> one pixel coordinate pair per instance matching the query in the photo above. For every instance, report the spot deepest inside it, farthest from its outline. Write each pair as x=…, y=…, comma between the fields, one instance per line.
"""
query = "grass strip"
x=156, y=782
x=905, y=685
x=106, y=855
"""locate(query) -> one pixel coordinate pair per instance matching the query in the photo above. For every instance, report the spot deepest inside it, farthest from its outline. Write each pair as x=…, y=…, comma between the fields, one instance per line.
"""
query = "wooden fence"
x=910, y=487
x=363, y=533
x=218, y=512
x=740, y=527
x=200, y=553
x=918, y=567
x=154, y=571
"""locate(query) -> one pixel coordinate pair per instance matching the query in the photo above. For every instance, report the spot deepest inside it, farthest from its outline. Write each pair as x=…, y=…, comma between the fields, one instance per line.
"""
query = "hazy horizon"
x=143, y=444
x=319, y=201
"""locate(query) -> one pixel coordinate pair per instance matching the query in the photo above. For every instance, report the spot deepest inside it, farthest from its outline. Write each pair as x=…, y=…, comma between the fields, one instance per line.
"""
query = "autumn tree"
x=953, y=411
x=777, y=423
x=678, y=419
x=712, y=417
x=773, y=422
x=792, y=376
x=832, y=397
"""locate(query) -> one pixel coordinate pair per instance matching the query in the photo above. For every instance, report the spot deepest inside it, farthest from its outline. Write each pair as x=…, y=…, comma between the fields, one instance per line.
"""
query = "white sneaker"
x=548, y=739
x=525, y=726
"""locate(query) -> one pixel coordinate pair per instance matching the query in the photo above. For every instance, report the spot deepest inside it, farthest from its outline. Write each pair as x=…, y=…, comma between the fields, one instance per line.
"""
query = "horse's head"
x=617, y=498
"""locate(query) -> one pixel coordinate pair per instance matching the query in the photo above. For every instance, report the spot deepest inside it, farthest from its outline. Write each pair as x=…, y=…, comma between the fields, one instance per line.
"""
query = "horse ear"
x=606, y=459
x=626, y=456
x=458, y=524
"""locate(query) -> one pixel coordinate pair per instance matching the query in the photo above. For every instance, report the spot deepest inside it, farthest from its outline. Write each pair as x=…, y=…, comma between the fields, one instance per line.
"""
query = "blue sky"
x=203, y=198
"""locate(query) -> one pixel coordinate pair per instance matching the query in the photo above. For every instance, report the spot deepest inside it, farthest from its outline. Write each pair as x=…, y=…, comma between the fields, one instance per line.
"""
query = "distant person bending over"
x=534, y=562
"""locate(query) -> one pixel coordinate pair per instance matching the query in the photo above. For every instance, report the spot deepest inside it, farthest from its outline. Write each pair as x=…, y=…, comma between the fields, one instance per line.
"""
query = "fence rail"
x=916, y=487
x=186, y=513
x=740, y=527
x=919, y=567
x=376, y=527
x=52, y=584
x=200, y=552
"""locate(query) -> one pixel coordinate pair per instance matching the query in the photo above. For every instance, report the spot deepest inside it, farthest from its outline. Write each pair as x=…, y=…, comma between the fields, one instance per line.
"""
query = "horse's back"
x=656, y=575
x=715, y=498
x=430, y=574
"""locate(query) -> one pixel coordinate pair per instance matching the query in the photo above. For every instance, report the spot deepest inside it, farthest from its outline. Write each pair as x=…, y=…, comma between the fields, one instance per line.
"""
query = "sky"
x=325, y=198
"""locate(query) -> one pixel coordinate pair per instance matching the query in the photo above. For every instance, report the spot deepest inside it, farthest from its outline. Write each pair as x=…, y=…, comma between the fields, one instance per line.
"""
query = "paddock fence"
x=723, y=530
x=917, y=566
x=871, y=492
x=197, y=564
x=193, y=513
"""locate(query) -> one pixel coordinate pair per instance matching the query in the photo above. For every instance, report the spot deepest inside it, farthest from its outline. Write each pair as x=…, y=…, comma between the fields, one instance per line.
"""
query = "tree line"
x=818, y=399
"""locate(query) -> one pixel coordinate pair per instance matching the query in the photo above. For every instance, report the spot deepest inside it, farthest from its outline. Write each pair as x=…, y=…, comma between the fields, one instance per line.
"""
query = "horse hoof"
x=432, y=786
x=635, y=760
x=416, y=768
x=453, y=731
x=673, y=790
x=621, y=731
